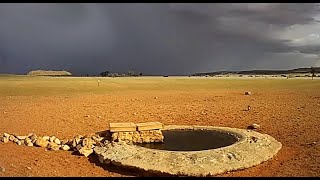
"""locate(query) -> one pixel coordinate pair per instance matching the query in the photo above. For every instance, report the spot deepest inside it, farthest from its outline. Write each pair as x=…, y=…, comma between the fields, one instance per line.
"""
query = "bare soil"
x=291, y=117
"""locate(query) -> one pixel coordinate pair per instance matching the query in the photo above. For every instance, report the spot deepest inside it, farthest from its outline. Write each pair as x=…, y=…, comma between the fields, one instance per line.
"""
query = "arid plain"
x=287, y=109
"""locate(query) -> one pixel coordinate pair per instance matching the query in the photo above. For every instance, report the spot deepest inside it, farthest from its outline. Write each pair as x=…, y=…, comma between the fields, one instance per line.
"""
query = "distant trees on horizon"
x=110, y=74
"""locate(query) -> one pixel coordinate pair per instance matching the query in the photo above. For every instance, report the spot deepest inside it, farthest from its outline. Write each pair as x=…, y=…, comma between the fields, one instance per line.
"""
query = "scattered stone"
x=6, y=135
x=53, y=146
x=156, y=97
x=64, y=141
x=78, y=147
x=52, y=138
x=2, y=169
x=134, y=114
x=65, y=147
x=57, y=141
x=21, y=137
x=86, y=152
x=253, y=126
x=77, y=140
x=99, y=117
x=87, y=116
x=88, y=143
x=248, y=108
x=28, y=142
x=34, y=141
x=97, y=138
x=18, y=142
x=29, y=168
x=47, y=138
x=5, y=139
x=11, y=138
x=40, y=142
x=33, y=137
x=247, y=93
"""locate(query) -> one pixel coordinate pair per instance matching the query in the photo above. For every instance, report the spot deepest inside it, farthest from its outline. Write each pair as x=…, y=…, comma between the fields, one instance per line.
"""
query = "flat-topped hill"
x=49, y=73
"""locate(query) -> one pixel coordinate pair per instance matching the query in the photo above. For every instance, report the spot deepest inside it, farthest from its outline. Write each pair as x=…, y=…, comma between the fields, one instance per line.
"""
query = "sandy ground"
x=290, y=116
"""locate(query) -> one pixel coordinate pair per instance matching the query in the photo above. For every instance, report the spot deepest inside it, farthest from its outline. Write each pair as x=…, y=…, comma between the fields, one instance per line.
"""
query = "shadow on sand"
x=93, y=158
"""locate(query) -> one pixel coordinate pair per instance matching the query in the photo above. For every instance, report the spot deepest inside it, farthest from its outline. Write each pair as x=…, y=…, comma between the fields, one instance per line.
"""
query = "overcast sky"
x=163, y=38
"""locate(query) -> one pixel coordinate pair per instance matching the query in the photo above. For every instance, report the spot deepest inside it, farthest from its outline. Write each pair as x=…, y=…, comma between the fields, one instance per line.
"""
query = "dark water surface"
x=193, y=140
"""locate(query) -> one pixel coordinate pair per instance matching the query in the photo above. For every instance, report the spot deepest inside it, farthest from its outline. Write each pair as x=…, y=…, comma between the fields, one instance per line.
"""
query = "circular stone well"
x=198, y=151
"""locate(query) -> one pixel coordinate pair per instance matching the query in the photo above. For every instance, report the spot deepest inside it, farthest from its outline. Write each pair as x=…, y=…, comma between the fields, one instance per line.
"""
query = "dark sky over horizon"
x=163, y=38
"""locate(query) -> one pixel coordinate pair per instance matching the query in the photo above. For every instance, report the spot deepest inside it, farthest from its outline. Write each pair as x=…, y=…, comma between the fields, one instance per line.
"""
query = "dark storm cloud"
x=148, y=38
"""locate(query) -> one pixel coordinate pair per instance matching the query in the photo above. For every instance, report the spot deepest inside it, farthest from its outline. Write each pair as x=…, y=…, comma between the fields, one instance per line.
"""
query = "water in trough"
x=193, y=140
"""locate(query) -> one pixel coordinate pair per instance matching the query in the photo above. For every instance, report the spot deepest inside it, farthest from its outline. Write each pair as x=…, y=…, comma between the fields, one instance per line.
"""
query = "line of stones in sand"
x=120, y=132
x=83, y=144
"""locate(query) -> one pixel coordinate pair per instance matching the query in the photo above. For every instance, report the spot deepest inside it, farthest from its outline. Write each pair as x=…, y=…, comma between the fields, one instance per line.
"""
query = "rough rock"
x=6, y=135
x=18, y=142
x=78, y=147
x=40, y=142
x=53, y=146
x=11, y=138
x=5, y=139
x=253, y=126
x=34, y=140
x=65, y=147
x=88, y=143
x=77, y=140
x=21, y=137
x=64, y=141
x=57, y=141
x=47, y=138
x=33, y=137
x=97, y=138
x=52, y=138
x=30, y=134
x=28, y=142
x=85, y=151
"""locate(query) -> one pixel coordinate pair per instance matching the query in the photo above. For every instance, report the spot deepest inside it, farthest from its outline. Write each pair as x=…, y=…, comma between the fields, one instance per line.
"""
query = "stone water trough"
x=186, y=150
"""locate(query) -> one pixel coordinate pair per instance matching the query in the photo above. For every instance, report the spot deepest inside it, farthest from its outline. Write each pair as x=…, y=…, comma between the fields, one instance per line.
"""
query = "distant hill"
x=261, y=72
x=49, y=73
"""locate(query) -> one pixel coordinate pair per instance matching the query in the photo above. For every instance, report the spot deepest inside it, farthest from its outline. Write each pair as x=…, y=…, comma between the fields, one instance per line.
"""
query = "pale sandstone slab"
x=118, y=127
x=149, y=126
x=148, y=136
